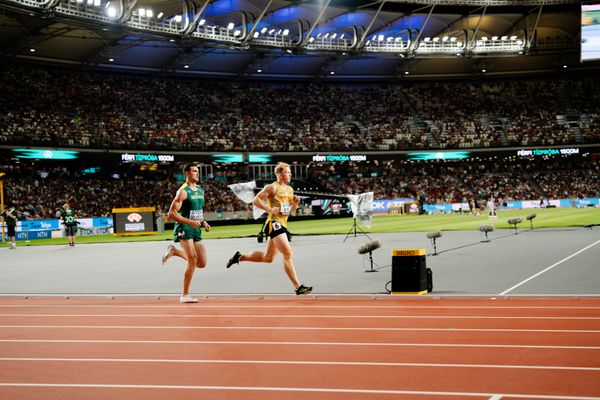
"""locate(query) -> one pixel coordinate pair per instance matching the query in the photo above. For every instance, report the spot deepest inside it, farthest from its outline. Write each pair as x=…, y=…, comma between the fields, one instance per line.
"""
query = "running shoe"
x=234, y=260
x=168, y=254
x=303, y=290
x=187, y=299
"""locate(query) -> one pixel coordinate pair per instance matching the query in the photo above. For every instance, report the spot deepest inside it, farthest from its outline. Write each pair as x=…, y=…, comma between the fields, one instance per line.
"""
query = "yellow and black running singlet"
x=284, y=196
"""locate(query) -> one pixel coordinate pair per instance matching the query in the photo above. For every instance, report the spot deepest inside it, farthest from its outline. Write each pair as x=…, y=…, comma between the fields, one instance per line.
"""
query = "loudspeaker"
x=429, y=280
x=409, y=272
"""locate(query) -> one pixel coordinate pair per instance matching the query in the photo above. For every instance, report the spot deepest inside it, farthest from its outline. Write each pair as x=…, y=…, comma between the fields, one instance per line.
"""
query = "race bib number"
x=286, y=209
x=276, y=226
x=197, y=215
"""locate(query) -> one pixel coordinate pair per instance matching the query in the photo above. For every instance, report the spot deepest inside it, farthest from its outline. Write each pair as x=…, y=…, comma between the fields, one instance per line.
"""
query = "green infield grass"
x=545, y=218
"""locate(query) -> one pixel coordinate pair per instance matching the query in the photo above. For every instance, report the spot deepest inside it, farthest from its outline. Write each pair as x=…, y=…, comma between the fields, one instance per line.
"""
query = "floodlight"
x=334, y=36
x=312, y=39
x=237, y=32
x=90, y=2
x=149, y=13
x=32, y=50
x=453, y=39
x=111, y=12
x=380, y=38
x=484, y=38
x=230, y=26
x=202, y=22
x=342, y=36
x=286, y=32
x=141, y=12
x=445, y=39
x=80, y=1
x=389, y=39
x=271, y=31
x=111, y=59
x=513, y=37
x=504, y=38
x=436, y=39
x=494, y=37
x=263, y=30
x=332, y=73
x=160, y=15
x=519, y=42
x=186, y=66
x=97, y=3
x=427, y=39
x=256, y=35
x=178, y=18
x=326, y=35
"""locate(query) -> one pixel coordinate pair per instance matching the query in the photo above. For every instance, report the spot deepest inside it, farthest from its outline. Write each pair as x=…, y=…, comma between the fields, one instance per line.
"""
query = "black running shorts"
x=274, y=229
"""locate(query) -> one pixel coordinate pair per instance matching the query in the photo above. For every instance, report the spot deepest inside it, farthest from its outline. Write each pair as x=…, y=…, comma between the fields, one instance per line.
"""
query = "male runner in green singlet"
x=280, y=203
x=187, y=212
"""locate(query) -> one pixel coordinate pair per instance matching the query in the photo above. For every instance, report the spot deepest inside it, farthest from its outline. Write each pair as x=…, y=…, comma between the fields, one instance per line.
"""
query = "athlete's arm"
x=173, y=215
x=295, y=203
x=261, y=198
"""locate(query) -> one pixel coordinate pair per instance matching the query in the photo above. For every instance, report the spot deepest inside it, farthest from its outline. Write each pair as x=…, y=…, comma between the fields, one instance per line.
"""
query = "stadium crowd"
x=37, y=191
x=53, y=107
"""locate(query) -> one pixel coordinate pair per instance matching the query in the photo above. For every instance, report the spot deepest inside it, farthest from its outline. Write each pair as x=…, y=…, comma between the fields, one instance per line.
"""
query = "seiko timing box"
x=410, y=274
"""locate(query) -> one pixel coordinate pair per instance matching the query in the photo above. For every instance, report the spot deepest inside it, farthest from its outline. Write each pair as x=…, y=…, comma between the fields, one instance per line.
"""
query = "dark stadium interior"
x=74, y=79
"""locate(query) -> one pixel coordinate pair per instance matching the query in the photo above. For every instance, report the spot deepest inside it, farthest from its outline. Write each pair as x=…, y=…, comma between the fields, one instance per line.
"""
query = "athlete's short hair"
x=188, y=167
x=280, y=167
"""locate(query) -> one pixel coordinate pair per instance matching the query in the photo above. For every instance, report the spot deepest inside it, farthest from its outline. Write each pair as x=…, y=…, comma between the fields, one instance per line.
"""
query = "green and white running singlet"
x=191, y=208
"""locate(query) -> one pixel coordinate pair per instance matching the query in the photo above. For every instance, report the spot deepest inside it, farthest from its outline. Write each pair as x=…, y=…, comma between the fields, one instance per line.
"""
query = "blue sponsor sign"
x=102, y=222
x=430, y=208
x=382, y=206
x=38, y=224
x=32, y=235
x=587, y=202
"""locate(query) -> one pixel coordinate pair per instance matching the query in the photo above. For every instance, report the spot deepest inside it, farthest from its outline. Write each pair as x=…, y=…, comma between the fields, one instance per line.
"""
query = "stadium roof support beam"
x=192, y=26
x=368, y=29
x=492, y=3
x=127, y=11
x=414, y=45
x=532, y=33
x=474, y=38
x=312, y=28
x=255, y=23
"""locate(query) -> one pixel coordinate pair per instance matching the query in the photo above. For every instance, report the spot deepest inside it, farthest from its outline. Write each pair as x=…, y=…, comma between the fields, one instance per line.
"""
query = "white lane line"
x=282, y=343
x=291, y=362
x=293, y=389
x=296, y=328
x=238, y=316
x=203, y=305
x=547, y=269
x=496, y=397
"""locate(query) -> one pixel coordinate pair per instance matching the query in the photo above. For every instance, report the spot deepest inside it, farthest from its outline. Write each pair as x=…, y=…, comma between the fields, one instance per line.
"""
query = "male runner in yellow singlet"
x=187, y=212
x=280, y=203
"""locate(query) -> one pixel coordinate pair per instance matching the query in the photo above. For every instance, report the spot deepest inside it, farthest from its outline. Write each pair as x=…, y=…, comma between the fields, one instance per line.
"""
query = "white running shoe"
x=168, y=254
x=187, y=299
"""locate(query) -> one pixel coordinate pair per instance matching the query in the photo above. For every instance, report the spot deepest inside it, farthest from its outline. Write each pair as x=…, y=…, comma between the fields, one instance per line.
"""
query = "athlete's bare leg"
x=259, y=256
x=283, y=246
x=192, y=260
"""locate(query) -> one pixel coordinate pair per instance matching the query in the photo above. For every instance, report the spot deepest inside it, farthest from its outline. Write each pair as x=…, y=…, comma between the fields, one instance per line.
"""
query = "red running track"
x=293, y=348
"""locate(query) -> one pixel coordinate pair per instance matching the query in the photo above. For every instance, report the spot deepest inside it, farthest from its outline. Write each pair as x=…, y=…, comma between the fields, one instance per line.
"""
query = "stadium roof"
x=325, y=39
